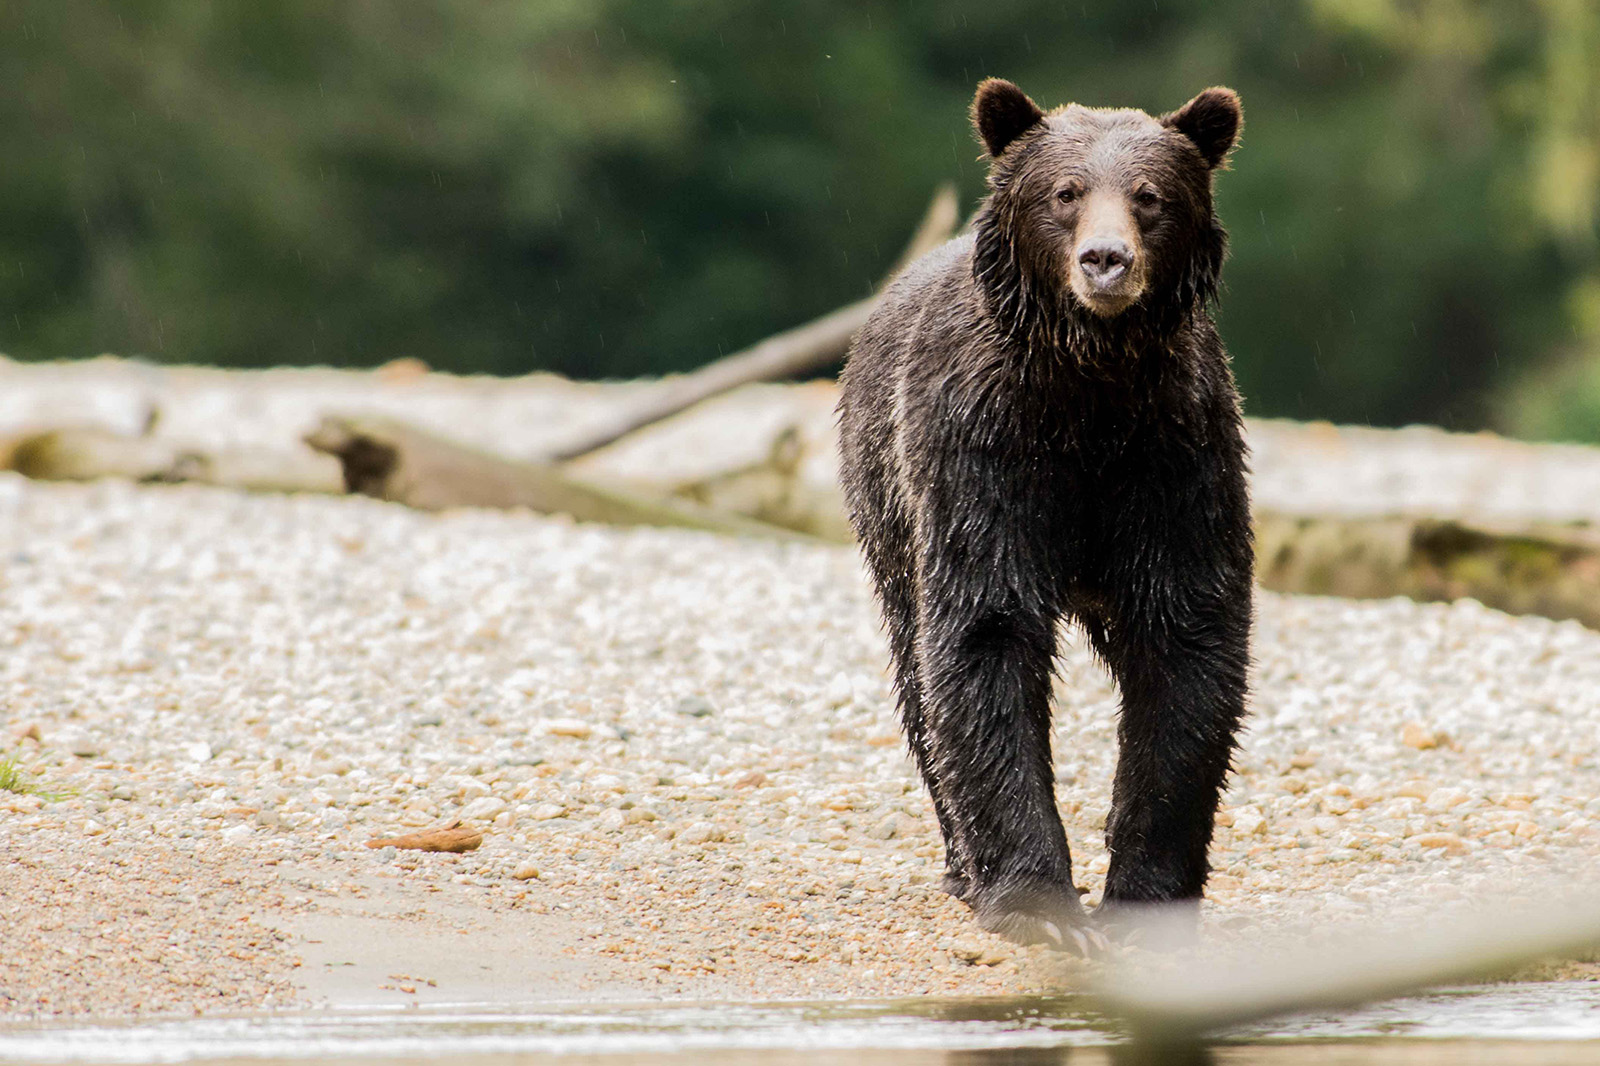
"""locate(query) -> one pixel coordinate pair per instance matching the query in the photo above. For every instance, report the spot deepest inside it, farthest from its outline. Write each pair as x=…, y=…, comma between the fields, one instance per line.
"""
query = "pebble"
x=78, y=743
x=1450, y=843
x=1249, y=822
x=569, y=727
x=1418, y=736
x=483, y=809
x=694, y=707
x=701, y=833
x=890, y=827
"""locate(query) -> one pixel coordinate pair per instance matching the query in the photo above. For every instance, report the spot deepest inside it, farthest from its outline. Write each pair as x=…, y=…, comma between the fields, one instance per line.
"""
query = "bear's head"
x=1099, y=215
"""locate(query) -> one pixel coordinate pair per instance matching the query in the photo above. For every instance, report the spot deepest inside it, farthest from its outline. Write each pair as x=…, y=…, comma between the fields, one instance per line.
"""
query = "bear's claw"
x=957, y=885
x=1059, y=932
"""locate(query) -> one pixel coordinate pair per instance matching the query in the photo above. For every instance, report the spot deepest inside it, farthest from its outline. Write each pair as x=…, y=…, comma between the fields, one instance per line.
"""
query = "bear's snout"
x=1105, y=268
x=1104, y=261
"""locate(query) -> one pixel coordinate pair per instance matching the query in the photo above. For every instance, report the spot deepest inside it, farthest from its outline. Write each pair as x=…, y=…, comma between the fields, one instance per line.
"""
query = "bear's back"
x=931, y=307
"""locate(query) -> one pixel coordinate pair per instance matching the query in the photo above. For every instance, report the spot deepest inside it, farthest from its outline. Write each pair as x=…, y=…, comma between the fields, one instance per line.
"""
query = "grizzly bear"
x=1039, y=423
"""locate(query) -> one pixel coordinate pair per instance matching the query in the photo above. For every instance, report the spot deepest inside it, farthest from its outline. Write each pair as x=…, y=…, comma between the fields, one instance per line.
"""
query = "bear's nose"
x=1104, y=260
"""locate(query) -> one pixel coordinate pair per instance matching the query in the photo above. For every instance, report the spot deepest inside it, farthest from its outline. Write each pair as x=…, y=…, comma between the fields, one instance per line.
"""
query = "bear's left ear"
x=1211, y=120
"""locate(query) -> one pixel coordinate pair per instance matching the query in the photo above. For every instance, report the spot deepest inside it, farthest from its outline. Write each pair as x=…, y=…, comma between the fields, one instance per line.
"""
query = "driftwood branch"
x=937, y=225
x=802, y=350
x=1273, y=975
x=404, y=464
x=453, y=836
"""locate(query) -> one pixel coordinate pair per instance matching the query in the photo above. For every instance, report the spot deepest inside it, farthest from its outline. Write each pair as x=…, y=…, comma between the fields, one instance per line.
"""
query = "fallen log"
x=792, y=353
x=84, y=453
x=1547, y=570
x=772, y=490
x=87, y=453
x=393, y=461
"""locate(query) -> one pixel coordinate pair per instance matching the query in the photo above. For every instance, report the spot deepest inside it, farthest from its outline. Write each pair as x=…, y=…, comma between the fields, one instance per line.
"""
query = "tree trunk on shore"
x=793, y=353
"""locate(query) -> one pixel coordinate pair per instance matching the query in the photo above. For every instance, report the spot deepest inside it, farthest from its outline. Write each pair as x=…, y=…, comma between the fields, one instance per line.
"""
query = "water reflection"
x=1041, y=1056
x=1143, y=1053
x=1526, y=1025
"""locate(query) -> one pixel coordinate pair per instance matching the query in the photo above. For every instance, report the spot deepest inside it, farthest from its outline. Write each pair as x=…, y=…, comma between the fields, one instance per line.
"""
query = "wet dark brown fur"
x=1025, y=441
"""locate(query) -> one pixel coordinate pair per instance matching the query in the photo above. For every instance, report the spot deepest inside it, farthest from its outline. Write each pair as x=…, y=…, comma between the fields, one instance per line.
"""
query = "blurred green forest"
x=623, y=187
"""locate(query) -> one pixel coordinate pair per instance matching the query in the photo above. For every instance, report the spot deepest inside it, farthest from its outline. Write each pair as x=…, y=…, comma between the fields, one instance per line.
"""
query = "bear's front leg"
x=985, y=651
x=1180, y=653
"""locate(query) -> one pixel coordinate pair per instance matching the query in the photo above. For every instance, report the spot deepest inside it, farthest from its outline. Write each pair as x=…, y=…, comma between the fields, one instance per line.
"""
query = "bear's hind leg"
x=897, y=596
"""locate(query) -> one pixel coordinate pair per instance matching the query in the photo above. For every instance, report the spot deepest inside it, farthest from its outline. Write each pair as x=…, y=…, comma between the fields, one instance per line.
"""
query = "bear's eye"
x=1069, y=194
x=1146, y=196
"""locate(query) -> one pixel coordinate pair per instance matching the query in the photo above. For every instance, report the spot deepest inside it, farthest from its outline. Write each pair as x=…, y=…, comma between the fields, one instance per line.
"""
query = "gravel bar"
x=680, y=748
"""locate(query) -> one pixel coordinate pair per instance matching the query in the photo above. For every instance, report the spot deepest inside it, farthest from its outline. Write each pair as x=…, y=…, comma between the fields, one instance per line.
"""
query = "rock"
x=840, y=691
x=702, y=833
x=483, y=809
x=611, y=821
x=26, y=803
x=1442, y=799
x=1449, y=842
x=197, y=751
x=402, y=370
x=892, y=826
x=750, y=779
x=526, y=871
x=1335, y=805
x=546, y=811
x=1416, y=735
x=977, y=954
x=79, y=744
x=694, y=707
x=1248, y=822
x=568, y=727
x=468, y=788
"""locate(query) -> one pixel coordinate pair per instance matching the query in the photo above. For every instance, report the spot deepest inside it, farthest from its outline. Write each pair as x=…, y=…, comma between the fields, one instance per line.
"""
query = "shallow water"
x=1529, y=1023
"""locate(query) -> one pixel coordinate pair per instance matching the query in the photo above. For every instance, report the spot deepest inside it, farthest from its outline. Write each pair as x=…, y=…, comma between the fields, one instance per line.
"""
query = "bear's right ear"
x=1001, y=113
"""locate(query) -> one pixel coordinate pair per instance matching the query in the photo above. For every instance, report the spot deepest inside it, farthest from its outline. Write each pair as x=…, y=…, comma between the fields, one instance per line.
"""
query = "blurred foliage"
x=617, y=187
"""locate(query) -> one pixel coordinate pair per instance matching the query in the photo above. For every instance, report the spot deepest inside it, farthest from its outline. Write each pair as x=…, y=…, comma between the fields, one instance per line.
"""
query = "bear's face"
x=1111, y=206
